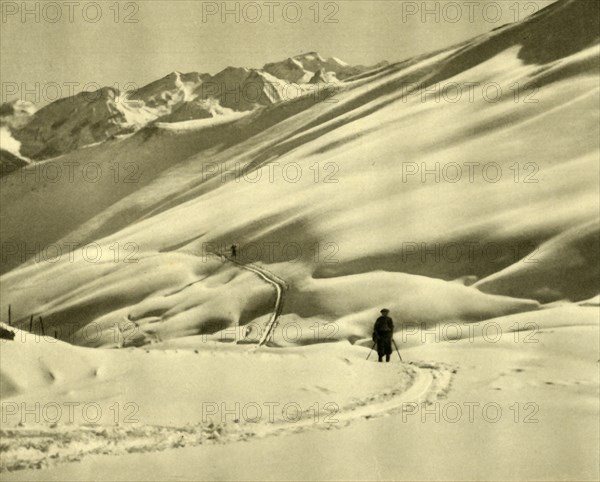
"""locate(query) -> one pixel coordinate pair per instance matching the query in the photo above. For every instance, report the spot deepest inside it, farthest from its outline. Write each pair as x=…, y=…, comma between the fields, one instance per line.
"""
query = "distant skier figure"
x=233, y=251
x=383, y=331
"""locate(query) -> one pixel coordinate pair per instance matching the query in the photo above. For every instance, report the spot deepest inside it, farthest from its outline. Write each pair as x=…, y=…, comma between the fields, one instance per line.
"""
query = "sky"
x=53, y=49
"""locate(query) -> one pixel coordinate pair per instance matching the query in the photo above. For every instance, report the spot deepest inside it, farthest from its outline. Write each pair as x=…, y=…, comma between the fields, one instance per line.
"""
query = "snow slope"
x=351, y=138
x=367, y=226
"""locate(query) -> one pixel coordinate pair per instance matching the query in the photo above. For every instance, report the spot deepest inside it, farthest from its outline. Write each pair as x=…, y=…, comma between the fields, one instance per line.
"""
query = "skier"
x=233, y=251
x=382, y=335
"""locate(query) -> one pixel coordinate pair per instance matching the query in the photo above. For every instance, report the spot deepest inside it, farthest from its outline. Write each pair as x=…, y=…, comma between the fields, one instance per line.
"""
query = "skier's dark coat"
x=382, y=334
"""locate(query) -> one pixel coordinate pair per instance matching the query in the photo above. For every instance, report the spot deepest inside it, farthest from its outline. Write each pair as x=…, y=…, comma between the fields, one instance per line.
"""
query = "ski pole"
x=397, y=351
x=372, y=348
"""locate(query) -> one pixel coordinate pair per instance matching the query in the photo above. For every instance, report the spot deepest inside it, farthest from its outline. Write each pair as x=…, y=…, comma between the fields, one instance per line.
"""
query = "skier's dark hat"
x=385, y=310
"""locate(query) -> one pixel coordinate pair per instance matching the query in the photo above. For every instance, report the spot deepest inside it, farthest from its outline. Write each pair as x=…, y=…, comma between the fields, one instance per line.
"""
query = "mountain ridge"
x=172, y=98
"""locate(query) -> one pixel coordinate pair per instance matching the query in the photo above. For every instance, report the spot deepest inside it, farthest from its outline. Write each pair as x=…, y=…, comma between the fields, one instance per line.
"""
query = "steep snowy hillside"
x=362, y=154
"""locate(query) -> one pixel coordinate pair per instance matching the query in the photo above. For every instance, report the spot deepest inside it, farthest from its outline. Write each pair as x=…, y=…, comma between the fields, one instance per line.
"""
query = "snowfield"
x=458, y=189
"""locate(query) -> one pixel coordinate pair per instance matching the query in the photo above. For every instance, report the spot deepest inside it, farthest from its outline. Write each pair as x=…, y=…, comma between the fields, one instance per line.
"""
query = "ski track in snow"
x=26, y=448
x=278, y=283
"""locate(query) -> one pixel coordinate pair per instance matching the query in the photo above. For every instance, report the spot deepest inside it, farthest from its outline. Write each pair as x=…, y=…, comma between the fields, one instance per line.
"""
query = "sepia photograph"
x=307, y=240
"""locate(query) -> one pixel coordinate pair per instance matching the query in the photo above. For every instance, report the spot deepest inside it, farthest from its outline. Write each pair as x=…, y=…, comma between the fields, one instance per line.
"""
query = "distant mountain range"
x=91, y=117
